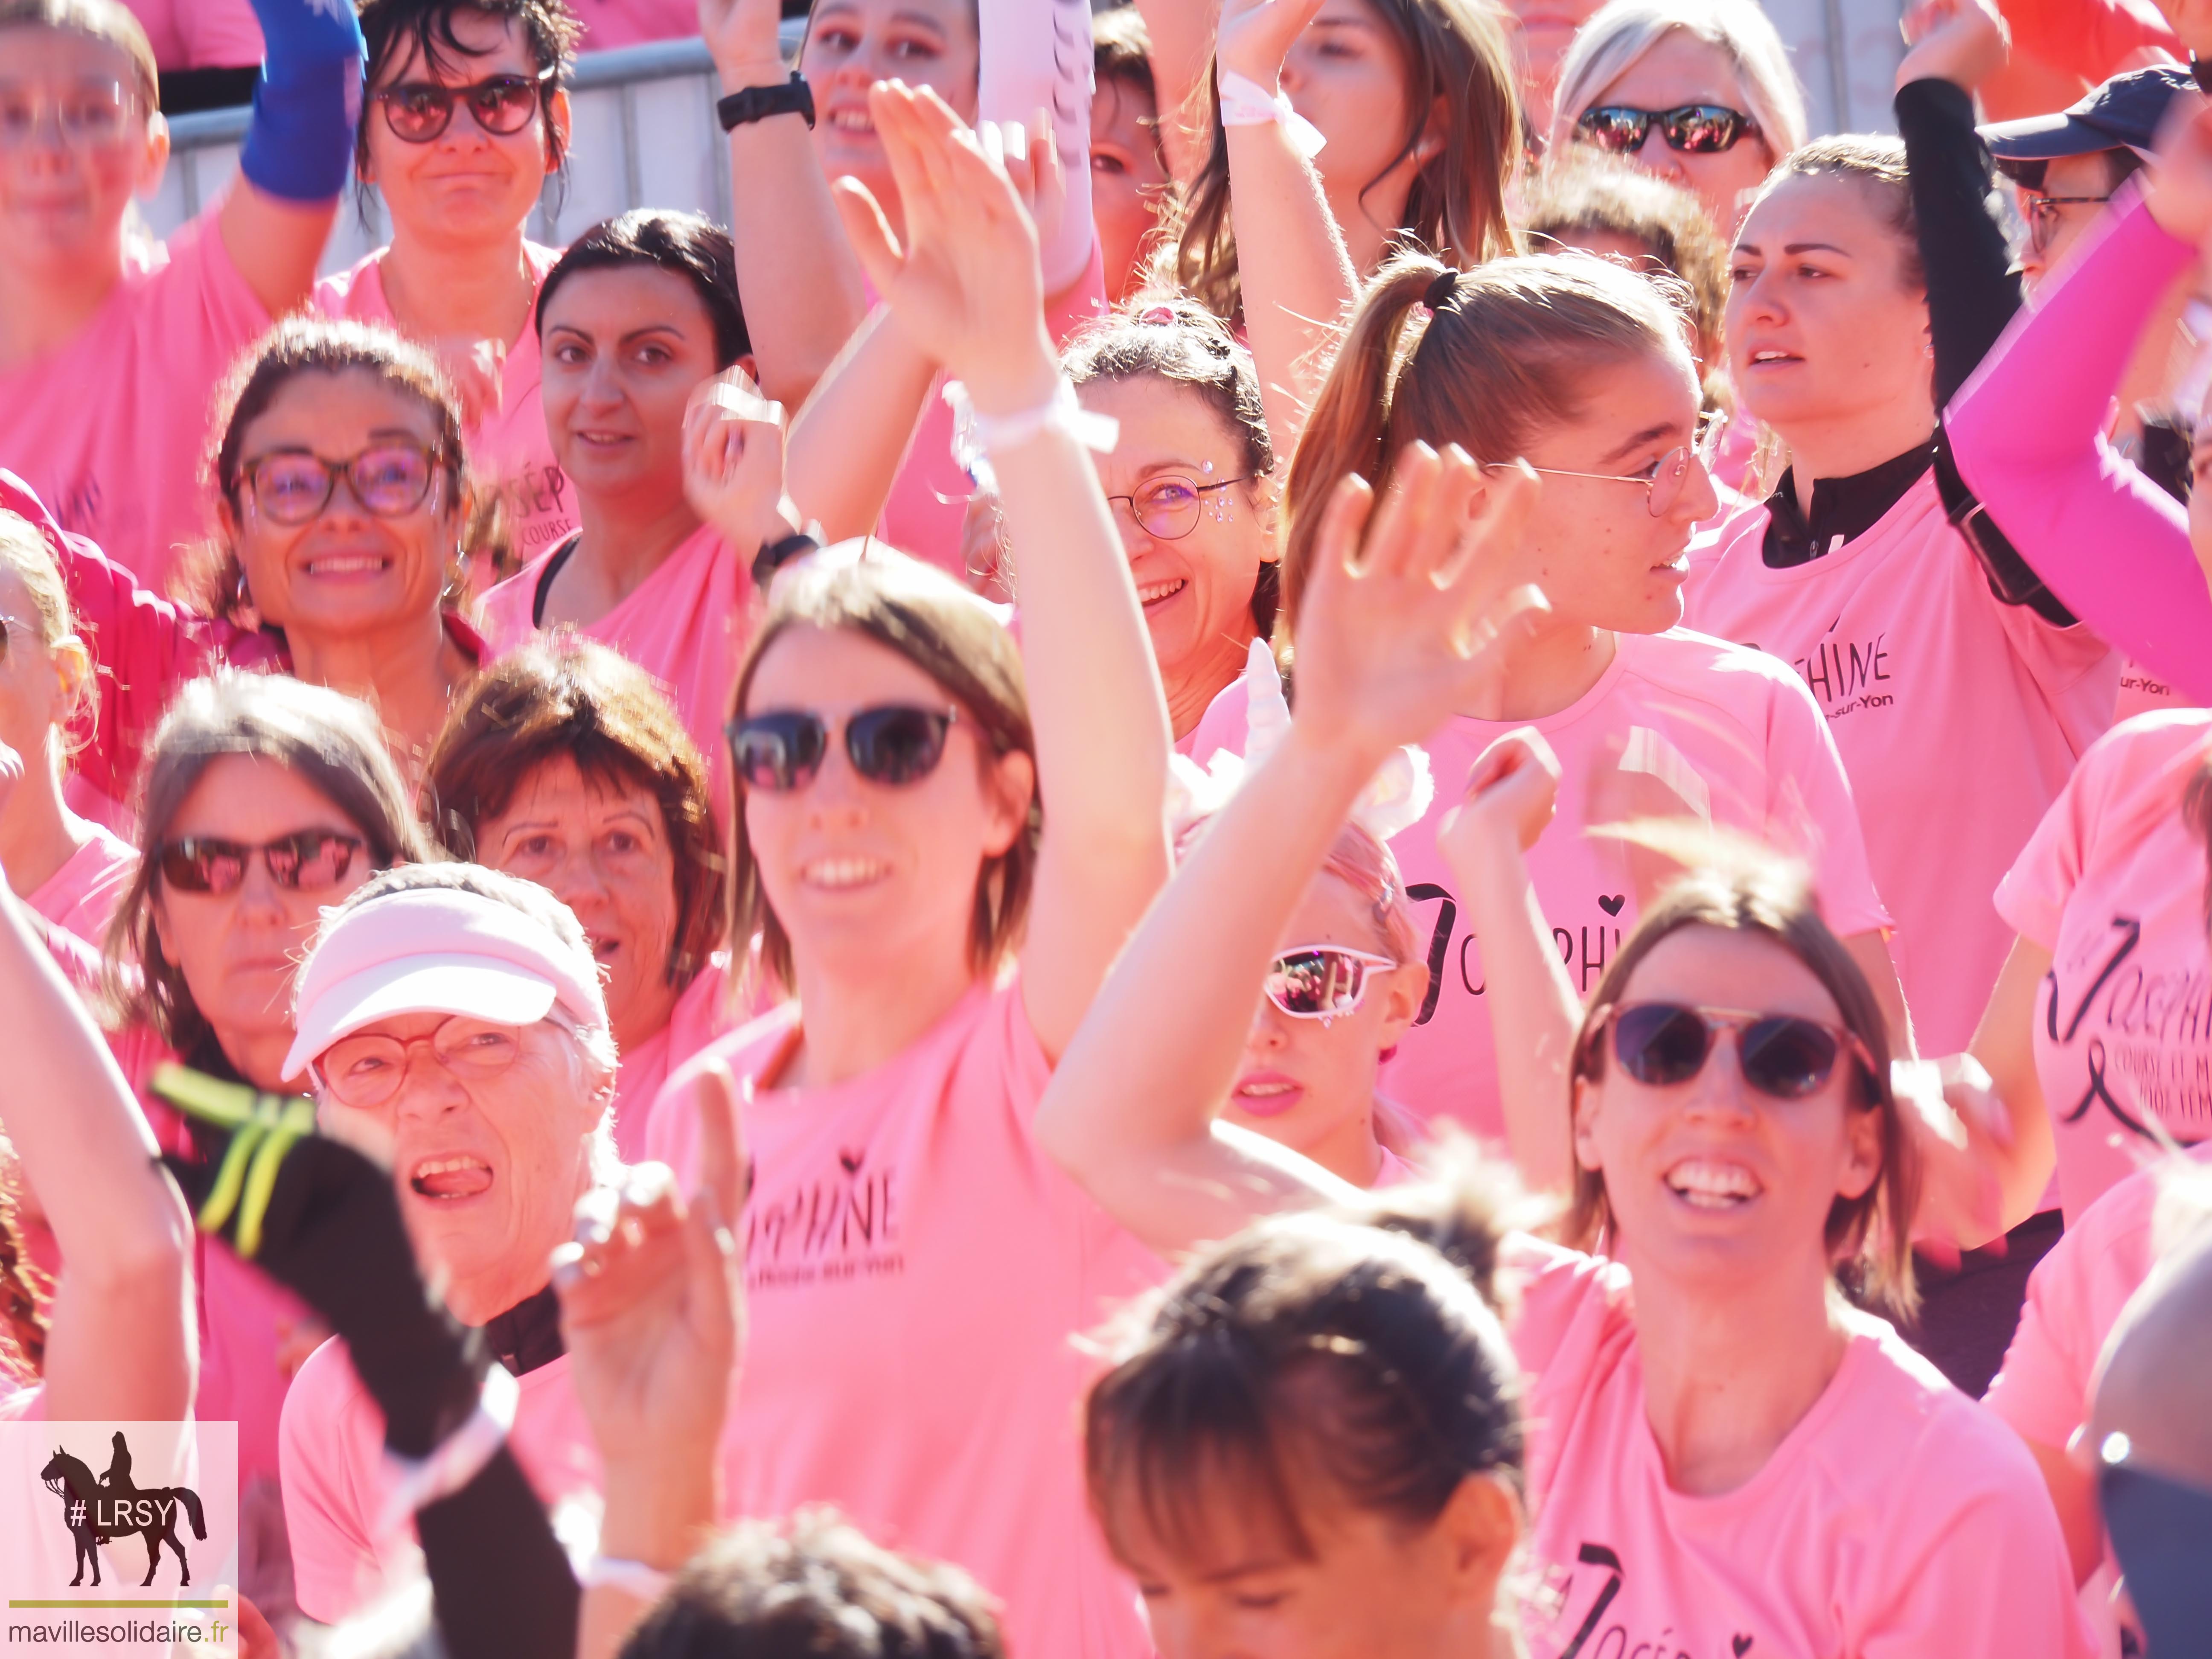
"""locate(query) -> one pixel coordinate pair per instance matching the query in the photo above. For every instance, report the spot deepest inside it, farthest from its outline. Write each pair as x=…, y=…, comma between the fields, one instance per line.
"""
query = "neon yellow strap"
x=264, y=1128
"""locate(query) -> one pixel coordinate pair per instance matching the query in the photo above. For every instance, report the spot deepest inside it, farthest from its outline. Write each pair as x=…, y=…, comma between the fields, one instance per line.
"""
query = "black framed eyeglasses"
x=419, y=112
x=1691, y=128
x=783, y=748
x=389, y=479
x=1168, y=508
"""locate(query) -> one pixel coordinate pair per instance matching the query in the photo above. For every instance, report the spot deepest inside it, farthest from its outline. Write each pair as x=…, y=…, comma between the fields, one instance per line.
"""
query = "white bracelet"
x=632, y=1578
x=456, y=1460
x=1246, y=103
x=975, y=434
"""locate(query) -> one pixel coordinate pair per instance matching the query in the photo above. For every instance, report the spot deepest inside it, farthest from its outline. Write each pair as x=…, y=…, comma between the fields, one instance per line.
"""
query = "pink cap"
x=437, y=951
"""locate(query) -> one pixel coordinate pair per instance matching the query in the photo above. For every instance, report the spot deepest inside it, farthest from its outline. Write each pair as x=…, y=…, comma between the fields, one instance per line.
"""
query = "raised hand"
x=1511, y=790
x=1962, y=41
x=966, y=284
x=1254, y=36
x=733, y=461
x=2193, y=20
x=741, y=38
x=2179, y=196
x=1032, y=159
x=1405, y=607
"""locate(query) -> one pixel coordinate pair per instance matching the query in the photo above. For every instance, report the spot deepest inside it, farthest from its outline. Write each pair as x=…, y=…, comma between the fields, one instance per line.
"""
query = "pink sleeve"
x=332, y=1556
x=1813, y=812
x=219, y=34
x=2027, y=431
x=1546, y=1287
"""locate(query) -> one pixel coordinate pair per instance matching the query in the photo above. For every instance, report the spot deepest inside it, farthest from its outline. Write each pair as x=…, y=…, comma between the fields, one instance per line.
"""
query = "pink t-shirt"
x=686, y=624
x=1898, y=1520
x=1226, y=723
x=109, y=428
x=335, y=1479
x=82, y=896
x=1958, y=719
x=917, y=1269
x=2112, y=883
x=508, y=449
x=1734, y=731
x=702, y=1013
x=189, y=34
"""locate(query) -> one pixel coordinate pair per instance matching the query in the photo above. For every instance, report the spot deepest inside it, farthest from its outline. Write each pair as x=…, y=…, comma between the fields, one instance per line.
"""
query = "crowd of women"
x=1358, y=829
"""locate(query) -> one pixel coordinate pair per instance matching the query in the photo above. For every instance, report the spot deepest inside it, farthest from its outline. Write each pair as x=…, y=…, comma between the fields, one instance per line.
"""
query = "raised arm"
x=1296, y=278
x=299, y=150
x=1182, y=33
x=1389, y=646
x=120, y=1341
x=848, y=442
x=967, y=287
x=2028, y=429
x=802, y=287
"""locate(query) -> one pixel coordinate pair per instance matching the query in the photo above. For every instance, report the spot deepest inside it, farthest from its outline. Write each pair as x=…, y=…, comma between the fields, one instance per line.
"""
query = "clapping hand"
x=733, y=461
x=1407, y=603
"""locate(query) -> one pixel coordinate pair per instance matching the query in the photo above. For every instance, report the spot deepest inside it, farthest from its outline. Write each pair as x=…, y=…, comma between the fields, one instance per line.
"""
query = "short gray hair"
x=1625, y=30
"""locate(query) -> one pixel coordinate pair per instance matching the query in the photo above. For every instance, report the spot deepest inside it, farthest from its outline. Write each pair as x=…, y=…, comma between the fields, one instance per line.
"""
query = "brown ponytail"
x=1485, y=359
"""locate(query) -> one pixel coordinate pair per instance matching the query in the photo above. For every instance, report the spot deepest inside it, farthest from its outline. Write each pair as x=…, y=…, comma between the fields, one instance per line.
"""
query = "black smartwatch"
x=774, y=556
x=793, y=97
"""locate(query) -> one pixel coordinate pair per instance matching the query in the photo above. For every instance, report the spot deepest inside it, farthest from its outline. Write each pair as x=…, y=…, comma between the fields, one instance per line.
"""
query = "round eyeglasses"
x=85, y=114
x=419, y=112
x=390, y=480
x=1168, y=508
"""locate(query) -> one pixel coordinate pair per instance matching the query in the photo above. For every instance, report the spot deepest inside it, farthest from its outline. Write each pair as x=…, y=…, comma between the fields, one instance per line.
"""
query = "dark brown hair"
x=332, y=742
x=1517, y=348
x=411, y=31
x=687, y=245
x=1876, y=163
x=954, y=637
x=1122, y=52
x=1871, y=1236
x=569, y=698
x=1361, y=1347
x=1452, y=50
x=301, y=345
x=1179, y=341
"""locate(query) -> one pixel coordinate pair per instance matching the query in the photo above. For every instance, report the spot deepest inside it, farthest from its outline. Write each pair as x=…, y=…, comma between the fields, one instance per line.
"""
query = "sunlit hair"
x=104, y=21
x=1361, y=1348
x=304, y=345
x=686, y=244
x=23, y=550
x=1609, y=44
x=1582, y=190
x=1452, y=50
x=1522, y=345
x=1162, y=336
x=1875, y=163
x=419, y=36
x=330, y=741
x=1867, y=1237
x=571, y=698
x=957, y=640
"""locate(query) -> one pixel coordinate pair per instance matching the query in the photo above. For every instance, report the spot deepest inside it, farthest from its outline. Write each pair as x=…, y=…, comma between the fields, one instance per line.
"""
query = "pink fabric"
x=702, y=1013
x=916, y=1270
x=1896, y=1521
x=508, y=449
x=2142, y=692
x=82, y=896
x=109, y=429
x=1225, y=724
x=336, y=1481
x=2028, y=431
x=1958, y=719
x=200, y=34
x=611, y=23
x=1396, y=1172
x=1736, y=722
x=929, y=498
x=2112, y=883
x=686, y=624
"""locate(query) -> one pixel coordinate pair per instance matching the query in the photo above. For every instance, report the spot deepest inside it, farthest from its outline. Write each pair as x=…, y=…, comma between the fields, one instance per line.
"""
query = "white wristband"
x=456, y=1460
x=1246, y=103
x=975, y=434
x=631, y=1577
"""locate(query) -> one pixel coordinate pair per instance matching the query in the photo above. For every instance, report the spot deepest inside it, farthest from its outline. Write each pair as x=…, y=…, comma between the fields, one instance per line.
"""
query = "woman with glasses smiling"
x=1699, y=92
x=463, y=121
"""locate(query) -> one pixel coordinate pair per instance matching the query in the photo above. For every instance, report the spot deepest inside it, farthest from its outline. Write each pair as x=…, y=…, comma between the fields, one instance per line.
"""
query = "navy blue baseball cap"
x=2123, y=113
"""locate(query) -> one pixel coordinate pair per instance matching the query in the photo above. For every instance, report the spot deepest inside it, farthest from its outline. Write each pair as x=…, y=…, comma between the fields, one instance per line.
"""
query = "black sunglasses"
x=782, y=749
x=308, y=861
x=1661, y=1044
x=418, y=111
x=1691, y=129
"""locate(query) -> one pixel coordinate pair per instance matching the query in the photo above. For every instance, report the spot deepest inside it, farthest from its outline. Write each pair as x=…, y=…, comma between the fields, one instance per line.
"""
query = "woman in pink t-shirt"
x=71, y=871
x=943, y=843
x=465, y=121
x=107, y=362
x=564, y=765
x=344, y=494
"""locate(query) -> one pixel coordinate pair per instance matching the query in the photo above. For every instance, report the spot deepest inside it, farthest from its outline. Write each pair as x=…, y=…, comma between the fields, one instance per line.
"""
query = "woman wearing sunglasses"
x=1699, y=92
x=941, y=840
x=464, y=121
x=343, y=496
x=108, y=357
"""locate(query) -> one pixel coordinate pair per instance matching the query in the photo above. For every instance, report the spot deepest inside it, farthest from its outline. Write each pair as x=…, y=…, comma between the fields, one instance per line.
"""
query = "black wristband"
x=793, y=97
x=774, y=556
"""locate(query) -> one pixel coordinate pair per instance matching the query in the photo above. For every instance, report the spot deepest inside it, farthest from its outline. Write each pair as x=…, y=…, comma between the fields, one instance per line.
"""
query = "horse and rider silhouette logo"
x=100, y=1510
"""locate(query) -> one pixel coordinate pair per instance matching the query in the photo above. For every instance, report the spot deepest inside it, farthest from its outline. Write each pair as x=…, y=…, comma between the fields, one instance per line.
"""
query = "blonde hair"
x=23, y=550
x=1611, y=42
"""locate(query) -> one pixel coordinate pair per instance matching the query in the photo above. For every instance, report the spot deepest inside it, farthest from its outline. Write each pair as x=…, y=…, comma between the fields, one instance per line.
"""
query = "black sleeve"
x=1972, y=288
x=501, y=1583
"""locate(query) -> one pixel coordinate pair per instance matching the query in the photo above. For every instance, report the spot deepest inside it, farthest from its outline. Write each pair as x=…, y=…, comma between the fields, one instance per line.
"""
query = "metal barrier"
x=643, y=134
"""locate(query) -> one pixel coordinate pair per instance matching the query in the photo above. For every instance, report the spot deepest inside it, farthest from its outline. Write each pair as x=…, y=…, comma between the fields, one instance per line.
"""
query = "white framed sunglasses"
x=1322, y=981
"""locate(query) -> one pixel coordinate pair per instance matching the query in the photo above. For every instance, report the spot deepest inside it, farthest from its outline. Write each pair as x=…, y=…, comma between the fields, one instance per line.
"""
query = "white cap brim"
x=479, y=987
